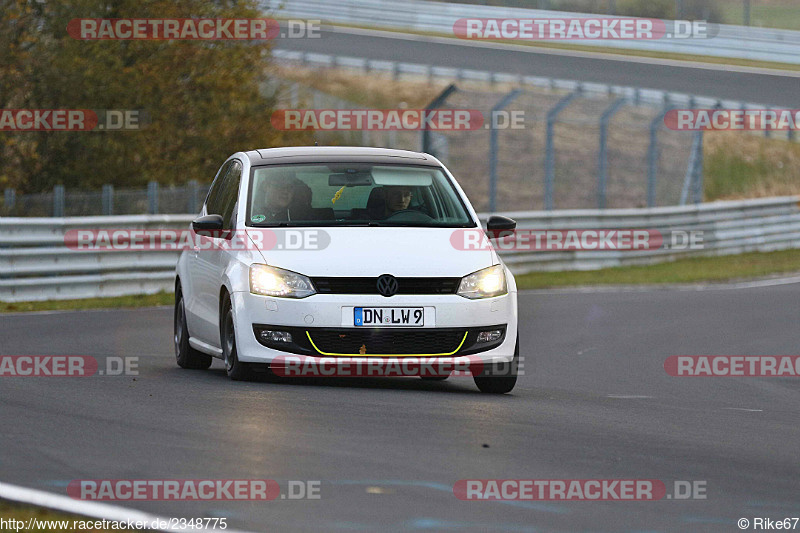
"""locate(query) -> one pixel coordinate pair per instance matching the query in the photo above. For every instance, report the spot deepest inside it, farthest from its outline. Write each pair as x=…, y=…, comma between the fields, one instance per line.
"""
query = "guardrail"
x=732, y=227
x=741, y=42
x=35, y=264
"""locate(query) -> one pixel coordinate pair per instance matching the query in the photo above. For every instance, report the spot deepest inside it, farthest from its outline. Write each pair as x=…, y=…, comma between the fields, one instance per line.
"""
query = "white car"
x=343, y=252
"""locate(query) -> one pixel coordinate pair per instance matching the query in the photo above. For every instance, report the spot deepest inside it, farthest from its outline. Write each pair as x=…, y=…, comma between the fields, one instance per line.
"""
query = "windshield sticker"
x=337, y=195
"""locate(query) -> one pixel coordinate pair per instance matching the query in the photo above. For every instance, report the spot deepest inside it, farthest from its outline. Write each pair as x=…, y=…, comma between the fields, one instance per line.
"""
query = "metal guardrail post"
x=193, y=190
x=152, y=198
x=506, y=100
x=58, y=201
x=108, y=200
x=436, y=103
x=550, y=155
x=602, y=178
x=652, y=155
x=9, y=199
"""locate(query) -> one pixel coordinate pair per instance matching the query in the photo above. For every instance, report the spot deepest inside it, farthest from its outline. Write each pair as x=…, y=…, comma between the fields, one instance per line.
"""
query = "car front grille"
x=370, y=285
x=387, y=341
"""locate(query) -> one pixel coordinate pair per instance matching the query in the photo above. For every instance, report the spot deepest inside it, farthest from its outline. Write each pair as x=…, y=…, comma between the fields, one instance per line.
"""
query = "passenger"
x=398, y=198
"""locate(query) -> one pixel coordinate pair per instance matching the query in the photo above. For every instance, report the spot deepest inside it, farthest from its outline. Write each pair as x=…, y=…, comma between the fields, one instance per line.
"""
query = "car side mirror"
x=499, y=223
x=208, y=225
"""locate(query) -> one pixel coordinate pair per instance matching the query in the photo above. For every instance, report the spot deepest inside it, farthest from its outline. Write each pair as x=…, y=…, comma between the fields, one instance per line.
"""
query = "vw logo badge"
x=387, y=285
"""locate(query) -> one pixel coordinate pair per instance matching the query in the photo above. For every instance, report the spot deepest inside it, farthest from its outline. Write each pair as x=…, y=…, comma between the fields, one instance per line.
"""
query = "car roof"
x=338, y=154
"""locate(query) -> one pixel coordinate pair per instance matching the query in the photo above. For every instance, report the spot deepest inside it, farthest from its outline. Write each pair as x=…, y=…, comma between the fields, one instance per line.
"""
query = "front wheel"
x=499, y=378
x=236, y=370
x=186, y=356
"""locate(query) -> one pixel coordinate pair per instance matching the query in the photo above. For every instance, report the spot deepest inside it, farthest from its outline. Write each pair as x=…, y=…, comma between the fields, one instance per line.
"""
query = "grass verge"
x=694, y=270
x=121, y=302
x=739, y=166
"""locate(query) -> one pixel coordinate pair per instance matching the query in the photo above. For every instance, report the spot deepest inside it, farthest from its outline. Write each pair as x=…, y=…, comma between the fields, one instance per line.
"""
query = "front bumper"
x=316, y=318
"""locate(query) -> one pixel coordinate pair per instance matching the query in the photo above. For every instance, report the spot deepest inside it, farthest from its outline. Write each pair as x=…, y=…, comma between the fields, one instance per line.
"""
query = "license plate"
x=389, y=316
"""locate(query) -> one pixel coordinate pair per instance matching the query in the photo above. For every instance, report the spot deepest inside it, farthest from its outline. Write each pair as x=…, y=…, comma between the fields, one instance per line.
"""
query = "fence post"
x=550, y=155
x=108, y=200
x=193, y=189
x=652, y=155
x=691, y=169
x=602, y=179
x=152, y=198
x=506, y=100
x=699, y=169
x=58, y=201
x=9, y=199
x=436, y=103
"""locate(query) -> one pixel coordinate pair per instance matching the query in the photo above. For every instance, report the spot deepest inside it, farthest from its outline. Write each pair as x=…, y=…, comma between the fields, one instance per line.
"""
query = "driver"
x=278, y=194
x=398, y=198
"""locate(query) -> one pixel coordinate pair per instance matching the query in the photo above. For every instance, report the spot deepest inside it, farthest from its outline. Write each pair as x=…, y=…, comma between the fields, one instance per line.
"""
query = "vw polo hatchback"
x=334, y=252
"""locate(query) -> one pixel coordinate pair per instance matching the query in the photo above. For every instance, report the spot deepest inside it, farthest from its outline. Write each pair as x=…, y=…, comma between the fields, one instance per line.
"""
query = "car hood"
x=371, y=251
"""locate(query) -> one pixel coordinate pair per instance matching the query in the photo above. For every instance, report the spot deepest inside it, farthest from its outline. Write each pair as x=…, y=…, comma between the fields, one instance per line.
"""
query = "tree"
x=200, y=99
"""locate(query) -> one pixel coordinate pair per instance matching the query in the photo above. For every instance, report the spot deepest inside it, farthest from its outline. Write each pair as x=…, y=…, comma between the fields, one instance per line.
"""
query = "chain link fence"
x=570, y=148
x=109, y=201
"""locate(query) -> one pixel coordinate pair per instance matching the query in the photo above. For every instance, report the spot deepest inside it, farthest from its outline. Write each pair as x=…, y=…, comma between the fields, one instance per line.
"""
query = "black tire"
x=499, y=378
x=186, y=356
x=236, y=370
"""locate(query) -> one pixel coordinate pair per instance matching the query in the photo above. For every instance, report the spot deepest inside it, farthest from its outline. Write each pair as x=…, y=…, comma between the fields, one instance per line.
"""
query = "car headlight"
x=484, y=283
x=270, y=281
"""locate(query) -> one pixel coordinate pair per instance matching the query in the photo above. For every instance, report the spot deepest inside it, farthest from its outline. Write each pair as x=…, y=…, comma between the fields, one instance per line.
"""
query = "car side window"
x=213, y=198
x=229, y=194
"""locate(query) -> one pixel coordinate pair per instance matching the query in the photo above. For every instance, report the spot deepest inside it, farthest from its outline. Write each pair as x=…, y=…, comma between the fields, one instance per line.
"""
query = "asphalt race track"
x=748, y=85
x=595, y=403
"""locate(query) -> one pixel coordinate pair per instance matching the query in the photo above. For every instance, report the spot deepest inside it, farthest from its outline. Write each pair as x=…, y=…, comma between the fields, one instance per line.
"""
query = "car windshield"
x=354, y=195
